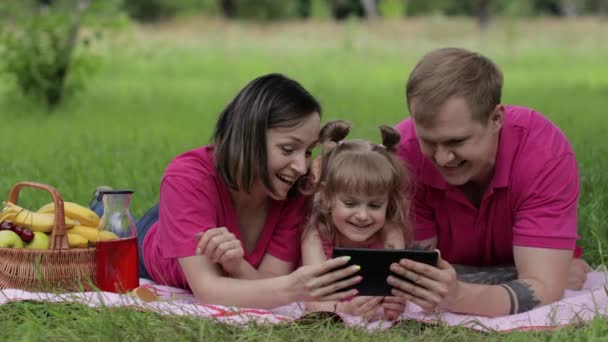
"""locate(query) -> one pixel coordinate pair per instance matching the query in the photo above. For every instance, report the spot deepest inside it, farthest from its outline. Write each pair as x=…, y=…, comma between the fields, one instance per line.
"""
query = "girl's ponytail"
x=390, y=138
x=332, y=133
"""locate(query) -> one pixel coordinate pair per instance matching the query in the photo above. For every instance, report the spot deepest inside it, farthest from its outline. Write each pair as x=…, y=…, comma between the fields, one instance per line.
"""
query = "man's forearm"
x=513, y=297
x=485, y=275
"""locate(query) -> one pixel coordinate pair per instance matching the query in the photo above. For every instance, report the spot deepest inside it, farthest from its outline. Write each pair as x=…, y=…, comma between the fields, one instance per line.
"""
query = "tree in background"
x=39, y=47
x=228, y=8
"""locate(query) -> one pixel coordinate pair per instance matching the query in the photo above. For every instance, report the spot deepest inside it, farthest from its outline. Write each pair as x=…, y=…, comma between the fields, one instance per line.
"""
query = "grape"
x=7, y=225
x=26, y=235
x=18, y=230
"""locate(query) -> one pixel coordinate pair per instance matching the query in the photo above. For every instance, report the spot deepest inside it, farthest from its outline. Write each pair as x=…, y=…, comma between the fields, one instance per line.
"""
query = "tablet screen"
x=375, y=266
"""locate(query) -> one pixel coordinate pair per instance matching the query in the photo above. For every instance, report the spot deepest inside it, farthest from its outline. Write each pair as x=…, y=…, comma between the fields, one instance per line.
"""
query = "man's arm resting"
x=542, y=279
x=485, y=275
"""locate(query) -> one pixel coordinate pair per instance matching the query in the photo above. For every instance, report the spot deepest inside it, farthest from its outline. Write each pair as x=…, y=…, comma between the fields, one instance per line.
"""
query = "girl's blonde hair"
x=359, y=166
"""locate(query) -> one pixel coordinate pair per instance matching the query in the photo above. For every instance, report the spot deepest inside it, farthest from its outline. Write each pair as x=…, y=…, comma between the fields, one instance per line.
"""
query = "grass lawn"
x=160, y=88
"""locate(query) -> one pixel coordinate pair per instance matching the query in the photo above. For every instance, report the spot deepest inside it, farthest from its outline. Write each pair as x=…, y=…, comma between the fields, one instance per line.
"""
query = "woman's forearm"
x=256, y=293
x=246, y=271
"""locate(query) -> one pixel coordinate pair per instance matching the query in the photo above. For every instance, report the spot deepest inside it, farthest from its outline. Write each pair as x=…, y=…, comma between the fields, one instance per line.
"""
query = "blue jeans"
x=143, y=226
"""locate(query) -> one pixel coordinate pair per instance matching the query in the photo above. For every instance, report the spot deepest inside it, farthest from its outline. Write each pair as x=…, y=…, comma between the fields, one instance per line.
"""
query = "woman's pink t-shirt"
x=531, y=200
x=193, y=198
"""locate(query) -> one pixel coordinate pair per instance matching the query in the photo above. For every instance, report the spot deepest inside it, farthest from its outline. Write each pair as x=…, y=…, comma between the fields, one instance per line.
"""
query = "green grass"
x=160, y=89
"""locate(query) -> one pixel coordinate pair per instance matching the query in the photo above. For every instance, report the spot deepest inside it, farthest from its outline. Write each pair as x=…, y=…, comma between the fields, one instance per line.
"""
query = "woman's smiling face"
x=289, y=151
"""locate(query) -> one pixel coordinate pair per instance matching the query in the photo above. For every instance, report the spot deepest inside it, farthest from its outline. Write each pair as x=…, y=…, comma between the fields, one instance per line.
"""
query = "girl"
x=360, y=203
x=228, y=222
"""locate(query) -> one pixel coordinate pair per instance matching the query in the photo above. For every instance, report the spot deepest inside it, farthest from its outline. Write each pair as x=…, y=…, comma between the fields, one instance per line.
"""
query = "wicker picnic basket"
x=59, y=268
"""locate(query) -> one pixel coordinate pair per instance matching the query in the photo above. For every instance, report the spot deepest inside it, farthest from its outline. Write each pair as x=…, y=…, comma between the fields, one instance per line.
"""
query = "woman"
x=230, y=213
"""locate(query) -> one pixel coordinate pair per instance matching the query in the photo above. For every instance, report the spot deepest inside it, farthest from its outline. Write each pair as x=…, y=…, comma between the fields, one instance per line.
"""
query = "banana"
x=8, y=213
x=74, y=211
x=37, y=222
x=93, y=234
x=77, y=241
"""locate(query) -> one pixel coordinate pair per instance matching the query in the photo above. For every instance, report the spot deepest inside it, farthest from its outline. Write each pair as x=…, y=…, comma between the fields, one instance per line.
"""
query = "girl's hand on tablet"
x=393, y=307
x=368, y=308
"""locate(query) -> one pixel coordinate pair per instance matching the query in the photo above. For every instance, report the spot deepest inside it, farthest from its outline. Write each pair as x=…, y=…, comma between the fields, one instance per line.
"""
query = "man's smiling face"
x=463, y=149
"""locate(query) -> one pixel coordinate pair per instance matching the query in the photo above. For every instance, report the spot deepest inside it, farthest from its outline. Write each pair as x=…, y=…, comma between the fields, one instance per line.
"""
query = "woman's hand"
x=430, y=287
x=323, y=282
x=222, y=247
x=393, y=307
x=368, y=308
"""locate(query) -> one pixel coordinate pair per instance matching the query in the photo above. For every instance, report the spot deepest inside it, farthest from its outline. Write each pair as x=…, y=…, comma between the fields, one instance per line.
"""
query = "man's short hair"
x=453, y=72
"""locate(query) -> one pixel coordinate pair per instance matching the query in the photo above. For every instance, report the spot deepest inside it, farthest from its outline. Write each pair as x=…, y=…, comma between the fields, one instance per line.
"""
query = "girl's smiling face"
x=357, y=217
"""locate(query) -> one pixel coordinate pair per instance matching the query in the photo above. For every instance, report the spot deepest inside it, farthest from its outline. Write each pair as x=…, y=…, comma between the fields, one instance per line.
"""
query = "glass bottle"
x=117, y=259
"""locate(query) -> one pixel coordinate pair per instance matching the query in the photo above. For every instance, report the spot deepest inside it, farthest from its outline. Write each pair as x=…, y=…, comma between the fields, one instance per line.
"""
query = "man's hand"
x=430, y=287
x=222, y=247
x=577, y=274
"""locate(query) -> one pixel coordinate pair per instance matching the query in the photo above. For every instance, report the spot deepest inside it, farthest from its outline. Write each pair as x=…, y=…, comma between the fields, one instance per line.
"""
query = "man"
x=496, y=189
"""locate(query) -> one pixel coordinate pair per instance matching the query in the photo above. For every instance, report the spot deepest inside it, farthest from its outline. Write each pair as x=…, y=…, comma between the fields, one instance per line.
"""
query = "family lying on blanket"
x=249, y=221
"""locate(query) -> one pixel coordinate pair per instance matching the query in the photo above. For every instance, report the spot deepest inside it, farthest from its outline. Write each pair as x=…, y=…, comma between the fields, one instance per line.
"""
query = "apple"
x=40, y=241
x=10, y=239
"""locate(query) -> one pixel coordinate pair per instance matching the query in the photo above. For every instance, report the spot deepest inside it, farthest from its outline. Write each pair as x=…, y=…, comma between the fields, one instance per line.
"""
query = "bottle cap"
x=113, y=192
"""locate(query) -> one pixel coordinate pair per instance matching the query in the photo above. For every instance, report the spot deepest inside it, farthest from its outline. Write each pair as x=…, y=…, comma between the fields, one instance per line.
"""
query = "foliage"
x=44, y=50
x=159, y=95
x=270, y=10
x=33, y=321
x=155, y=10
x=265, y=10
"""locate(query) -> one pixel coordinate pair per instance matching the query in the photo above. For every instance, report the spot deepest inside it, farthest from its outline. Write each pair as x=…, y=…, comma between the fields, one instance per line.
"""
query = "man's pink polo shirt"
x=193, y=199
x=531, y=200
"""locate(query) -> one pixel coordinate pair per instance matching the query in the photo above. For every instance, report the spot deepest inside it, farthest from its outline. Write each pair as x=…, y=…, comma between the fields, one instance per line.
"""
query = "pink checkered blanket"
x=576, y=307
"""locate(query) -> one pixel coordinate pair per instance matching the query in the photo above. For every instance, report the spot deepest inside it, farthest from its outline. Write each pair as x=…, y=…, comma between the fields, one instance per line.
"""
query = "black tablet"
x=375, y=266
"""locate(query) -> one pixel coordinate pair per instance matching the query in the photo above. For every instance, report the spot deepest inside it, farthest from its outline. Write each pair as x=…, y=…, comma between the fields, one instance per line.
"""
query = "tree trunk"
x=304, y=8
x=228, y=8
x=67, y=45
x=483, y=14
x=569, y=8
x=370, y=9
x=601, y=9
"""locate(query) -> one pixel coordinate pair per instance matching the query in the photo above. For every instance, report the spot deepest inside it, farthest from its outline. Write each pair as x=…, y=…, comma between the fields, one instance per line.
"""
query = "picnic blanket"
x=576, y=307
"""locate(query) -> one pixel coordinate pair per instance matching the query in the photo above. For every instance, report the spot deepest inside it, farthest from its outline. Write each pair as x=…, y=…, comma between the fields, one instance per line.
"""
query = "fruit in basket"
x=40, y=241
x=77, y=241
x=74, y=211
x=93, y=234
x=10, y=239
x=25, y=234
x=38, y=222
x=7, y=214
x=6, y=225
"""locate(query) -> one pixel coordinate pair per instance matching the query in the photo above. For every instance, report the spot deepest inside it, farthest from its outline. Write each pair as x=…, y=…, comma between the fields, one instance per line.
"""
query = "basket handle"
x=59, y=239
